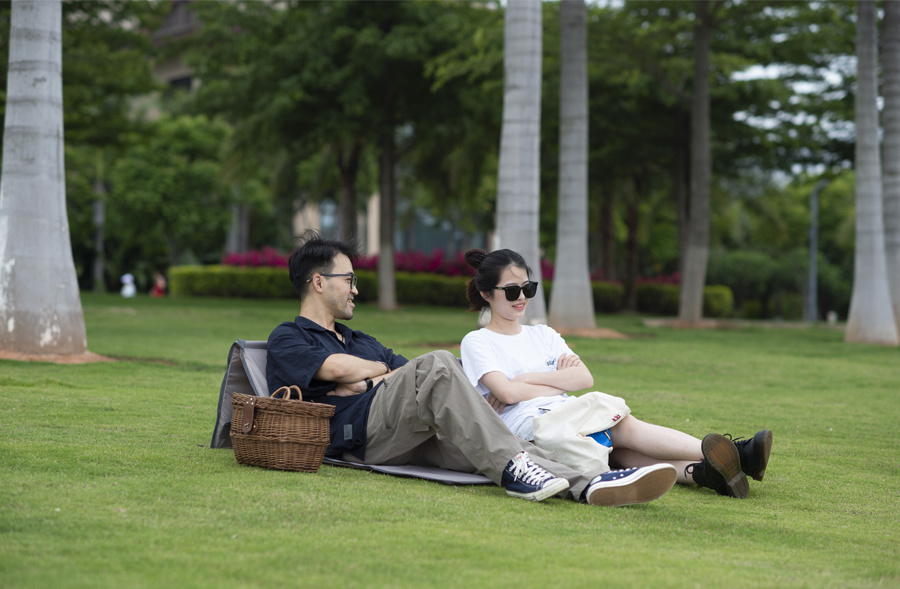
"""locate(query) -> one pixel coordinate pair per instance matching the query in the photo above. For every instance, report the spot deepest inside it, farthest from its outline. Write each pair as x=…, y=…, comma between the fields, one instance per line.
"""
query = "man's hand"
x=495, y=403
x=349, y=389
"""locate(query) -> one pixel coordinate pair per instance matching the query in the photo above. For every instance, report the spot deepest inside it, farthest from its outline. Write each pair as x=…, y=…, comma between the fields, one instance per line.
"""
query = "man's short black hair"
x=316, y=254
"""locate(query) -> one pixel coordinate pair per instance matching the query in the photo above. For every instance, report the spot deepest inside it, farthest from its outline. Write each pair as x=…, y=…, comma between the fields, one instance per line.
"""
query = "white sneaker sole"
x=554, y=487
x=647, y=484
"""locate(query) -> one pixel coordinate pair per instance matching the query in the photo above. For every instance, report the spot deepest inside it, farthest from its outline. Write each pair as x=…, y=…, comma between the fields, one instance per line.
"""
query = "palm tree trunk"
x=890, y=66
x=518, y=178
x=572, y=301
x=697, y=246
x=871, y=318
x=40, y=308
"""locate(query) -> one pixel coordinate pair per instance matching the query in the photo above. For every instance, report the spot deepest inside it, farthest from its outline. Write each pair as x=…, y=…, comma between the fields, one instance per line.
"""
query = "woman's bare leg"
x=655, y=441
x=627, y=458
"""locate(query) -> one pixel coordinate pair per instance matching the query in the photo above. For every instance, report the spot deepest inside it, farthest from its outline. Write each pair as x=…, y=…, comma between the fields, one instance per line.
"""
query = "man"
x=392, y=411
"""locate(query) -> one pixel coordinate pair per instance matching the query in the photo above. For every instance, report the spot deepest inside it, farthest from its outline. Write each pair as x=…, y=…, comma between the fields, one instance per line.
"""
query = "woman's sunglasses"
x=512, y=292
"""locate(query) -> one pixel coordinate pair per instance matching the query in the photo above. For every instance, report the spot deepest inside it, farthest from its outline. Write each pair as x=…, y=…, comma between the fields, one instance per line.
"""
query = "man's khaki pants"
x=428, y=414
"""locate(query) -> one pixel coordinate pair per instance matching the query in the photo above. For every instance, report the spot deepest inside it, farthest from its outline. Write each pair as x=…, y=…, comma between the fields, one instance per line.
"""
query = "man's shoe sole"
x=722, y=455
x=552, y=488
x=650, y=483
x=765, y=438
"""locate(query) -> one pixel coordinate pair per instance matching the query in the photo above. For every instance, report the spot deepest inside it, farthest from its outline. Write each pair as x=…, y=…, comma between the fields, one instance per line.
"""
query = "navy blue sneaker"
x=526, y=480
x=631, y=485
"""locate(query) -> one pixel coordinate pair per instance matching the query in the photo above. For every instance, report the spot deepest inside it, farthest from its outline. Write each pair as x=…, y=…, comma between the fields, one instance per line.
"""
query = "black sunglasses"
x=512, y=292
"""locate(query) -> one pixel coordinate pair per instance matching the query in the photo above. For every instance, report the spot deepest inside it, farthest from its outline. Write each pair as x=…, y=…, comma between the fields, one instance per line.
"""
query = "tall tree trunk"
x=387, y=290
x=99, y=219
x=607, y=233
x=348, y=164
x=871, y=318
x=99, y=263
x=572, y=301
x=518, y=178
x=697, y=247
x=40, y=308
x=682, y=178
x=633, y=224
x=239, y=230
x=890, y=67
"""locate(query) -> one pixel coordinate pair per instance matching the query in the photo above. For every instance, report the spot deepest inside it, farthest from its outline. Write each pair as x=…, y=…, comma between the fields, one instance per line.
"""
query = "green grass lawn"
x=107, y=480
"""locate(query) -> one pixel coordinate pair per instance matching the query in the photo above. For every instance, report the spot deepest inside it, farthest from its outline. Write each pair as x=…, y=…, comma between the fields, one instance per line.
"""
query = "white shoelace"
x=528, y=471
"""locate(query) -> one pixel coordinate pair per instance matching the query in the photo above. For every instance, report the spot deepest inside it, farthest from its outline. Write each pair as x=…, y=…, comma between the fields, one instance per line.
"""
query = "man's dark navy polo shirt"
x=296, y=351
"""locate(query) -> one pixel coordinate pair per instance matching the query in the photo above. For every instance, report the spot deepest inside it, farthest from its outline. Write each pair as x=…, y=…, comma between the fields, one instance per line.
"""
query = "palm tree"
x=696, y=250
x=890, y=67
x=40, y=308
x=518, y=178
x=871, y=318
x=572, y=301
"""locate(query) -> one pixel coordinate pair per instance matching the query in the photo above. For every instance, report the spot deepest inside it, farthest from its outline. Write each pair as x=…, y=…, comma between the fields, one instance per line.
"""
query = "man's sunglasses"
x=512, y=292
x=353, y=278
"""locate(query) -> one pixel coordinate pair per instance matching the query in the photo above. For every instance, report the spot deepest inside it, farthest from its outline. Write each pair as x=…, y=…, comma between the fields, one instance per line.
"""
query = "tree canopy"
x=301, y=95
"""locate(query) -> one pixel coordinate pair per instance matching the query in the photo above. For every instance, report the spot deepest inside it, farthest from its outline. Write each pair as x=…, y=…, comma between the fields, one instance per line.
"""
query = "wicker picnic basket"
x=278, y=432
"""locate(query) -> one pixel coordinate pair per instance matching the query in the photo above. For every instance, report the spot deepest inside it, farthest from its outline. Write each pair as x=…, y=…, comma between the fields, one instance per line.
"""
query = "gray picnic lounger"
x=245, y=373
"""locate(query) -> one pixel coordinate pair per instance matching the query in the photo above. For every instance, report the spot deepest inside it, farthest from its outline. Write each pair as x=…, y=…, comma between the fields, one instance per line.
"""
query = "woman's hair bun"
x=474, y=257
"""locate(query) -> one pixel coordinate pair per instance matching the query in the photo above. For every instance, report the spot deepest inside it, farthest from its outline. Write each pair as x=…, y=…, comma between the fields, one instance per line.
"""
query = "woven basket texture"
x=291, y=435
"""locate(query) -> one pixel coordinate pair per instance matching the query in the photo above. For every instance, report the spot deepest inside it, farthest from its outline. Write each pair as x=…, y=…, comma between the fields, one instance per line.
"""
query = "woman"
x=525, y=371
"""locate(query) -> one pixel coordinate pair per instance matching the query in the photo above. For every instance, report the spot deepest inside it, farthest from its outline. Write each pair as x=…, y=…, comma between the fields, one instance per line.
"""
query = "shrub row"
x=421, y=289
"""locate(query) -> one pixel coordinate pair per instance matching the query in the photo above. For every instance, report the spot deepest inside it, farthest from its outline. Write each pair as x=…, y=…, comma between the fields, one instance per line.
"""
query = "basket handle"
x=286, y=393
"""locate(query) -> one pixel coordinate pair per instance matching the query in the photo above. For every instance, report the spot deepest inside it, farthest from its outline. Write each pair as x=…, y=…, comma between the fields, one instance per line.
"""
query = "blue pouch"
x=602, y=438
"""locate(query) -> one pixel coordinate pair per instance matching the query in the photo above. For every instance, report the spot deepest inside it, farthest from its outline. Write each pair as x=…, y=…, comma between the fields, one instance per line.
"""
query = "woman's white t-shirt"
x=535, y=349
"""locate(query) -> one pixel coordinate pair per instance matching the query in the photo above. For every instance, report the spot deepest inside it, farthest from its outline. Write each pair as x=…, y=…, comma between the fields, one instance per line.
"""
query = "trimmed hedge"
x=230, y=281
x=422, y=289
x=663, y=299
x=718, y=301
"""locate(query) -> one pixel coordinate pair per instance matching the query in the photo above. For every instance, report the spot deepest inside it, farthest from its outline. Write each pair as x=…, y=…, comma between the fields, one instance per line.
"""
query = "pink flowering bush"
x=267, y=257
x=437, y=262
x=415, y=262
x=673, y=278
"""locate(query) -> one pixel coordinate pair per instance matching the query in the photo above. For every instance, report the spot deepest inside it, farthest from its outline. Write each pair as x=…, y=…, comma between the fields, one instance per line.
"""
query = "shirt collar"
x=305, y=323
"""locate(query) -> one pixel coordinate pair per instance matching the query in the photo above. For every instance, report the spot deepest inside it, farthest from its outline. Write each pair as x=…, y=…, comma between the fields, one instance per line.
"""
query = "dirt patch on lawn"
x=85, y=358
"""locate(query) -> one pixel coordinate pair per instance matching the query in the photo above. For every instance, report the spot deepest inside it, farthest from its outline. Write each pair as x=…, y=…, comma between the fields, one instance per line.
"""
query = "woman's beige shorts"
x=565, y=429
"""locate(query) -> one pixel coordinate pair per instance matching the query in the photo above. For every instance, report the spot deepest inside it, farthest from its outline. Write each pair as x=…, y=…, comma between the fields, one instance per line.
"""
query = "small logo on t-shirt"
x=551, y=362
x=617, y=418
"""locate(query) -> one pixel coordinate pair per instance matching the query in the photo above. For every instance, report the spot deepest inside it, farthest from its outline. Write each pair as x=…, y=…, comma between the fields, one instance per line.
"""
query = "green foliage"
x=431, y=289
x=106, y=64
x=273, y=283
x=607, y=297
x=230, y=281
x=107, y=61
x=305, y=87
x=416, y=288
x=170, y=189
x=718, y=302
x=327, y=81
x=663, y=299
x=658, y=299
x=767, y=286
